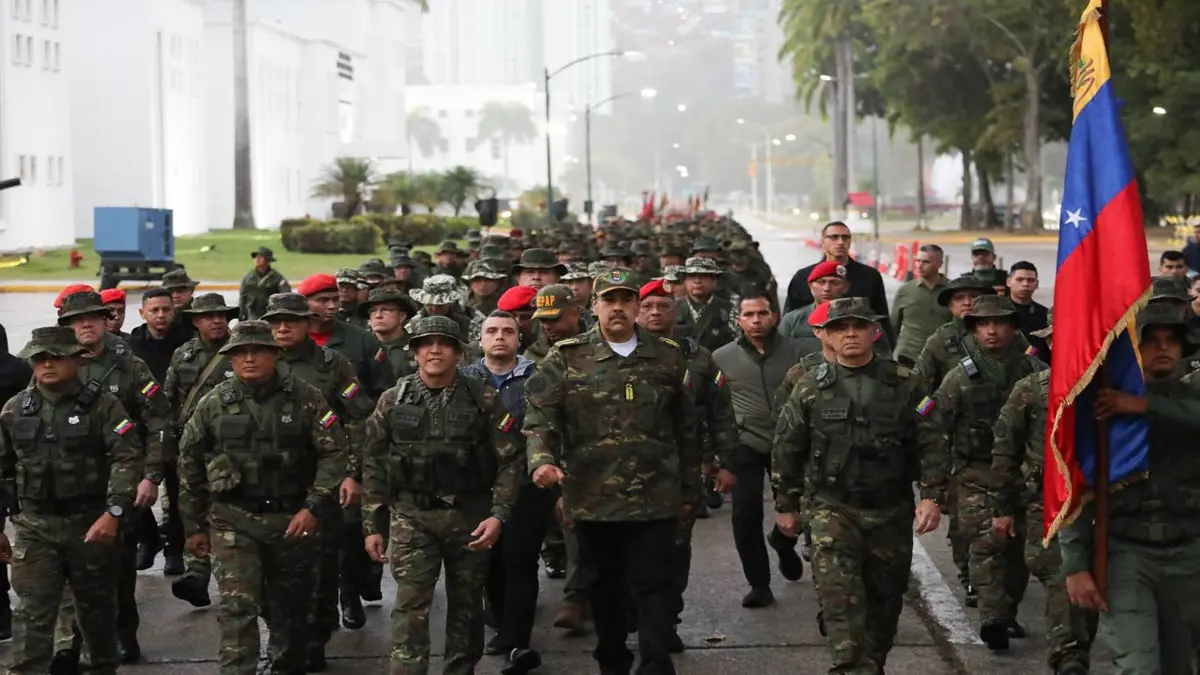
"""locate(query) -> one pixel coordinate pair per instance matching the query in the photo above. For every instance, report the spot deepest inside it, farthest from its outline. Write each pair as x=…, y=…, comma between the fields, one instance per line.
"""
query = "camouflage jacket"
x=793, y=376
x=401, y=359
x=713, y=323
x=602, y=419
x=1018, y=453
x=44, y=434
x=945, y=348
x=857, y=437
x=237, y=428
x=188, y=363
x=403, y=427
x=714, y=406
x=363, y=352
x=256, y=289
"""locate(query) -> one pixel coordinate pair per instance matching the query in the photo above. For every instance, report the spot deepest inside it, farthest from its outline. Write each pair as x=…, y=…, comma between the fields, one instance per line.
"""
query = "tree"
x=396, y=189
x=458, y=185
x=427, y=190
x=510, y=121
x=535, y=198
x=348, y=178
x=424, y=131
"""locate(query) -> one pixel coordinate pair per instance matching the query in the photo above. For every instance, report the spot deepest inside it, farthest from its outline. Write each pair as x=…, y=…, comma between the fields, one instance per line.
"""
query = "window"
x=28, y=14
x=33, y=169
x=29, y=50
x=18, y=49
x=51, y=171
x=47, y=55
x=45, y=12
x=16, y=9
x=54, y=13
x=497, y=151
x=23, y=162
x=57, y=56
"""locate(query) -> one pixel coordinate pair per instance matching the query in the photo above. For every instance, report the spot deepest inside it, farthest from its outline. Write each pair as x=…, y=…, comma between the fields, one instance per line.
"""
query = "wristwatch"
x=115, y=511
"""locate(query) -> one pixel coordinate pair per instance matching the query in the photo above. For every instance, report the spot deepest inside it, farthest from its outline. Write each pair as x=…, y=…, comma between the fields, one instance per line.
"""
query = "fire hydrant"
x=76, y=258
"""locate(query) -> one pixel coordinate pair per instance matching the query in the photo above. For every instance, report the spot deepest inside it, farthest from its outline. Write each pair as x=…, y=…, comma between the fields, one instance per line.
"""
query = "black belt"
x=284, y=505
x=63, y=507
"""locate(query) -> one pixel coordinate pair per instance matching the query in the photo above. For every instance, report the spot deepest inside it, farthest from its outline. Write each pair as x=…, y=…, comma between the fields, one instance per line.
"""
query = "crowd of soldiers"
x=579, y=398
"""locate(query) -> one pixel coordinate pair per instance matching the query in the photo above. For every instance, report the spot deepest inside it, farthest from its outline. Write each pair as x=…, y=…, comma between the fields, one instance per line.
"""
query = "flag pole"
x=1100, y=471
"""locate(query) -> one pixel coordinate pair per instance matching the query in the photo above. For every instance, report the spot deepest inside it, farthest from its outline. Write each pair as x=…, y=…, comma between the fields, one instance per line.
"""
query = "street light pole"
x=875, y=170
x=754, y=177
x=587, y=153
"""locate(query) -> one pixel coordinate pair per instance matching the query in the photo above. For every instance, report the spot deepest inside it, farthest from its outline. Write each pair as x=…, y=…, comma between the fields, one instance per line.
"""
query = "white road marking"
x=943, y=604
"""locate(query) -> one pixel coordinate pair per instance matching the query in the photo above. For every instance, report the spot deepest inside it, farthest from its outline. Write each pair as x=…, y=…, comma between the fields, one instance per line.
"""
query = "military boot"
x=172, y=563
x=5, y=618
x=371, y=589
x=65, y=662
x=790, y=564
x=317, y=663
x=128, y=649
x=353, y=615
x=994, y=633
x=192, y=590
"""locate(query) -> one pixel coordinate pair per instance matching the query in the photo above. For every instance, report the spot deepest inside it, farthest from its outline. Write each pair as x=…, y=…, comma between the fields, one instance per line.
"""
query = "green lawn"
x=227, y=258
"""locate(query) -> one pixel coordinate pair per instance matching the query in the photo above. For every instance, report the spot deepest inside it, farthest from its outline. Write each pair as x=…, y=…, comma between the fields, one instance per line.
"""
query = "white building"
x=137, y=108
x=573, y=30
x=456, y=109
x=483, y=42
x=35, y=125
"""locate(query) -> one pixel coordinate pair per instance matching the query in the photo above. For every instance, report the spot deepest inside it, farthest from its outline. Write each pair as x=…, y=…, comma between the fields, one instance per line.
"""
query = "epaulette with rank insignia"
x=577, y=340
x=670, y=342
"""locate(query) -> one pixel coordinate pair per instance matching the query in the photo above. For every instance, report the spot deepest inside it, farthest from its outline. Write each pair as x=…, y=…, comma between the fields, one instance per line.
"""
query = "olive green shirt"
x=916, y=314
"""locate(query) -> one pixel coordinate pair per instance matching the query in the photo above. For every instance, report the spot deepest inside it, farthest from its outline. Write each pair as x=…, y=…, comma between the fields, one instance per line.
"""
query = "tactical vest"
x=58, y=460
x=715, y=333
x=1033, y=467
x=188, y=370
x=982, y=400
x=441, y=453
x=268, y=448
x=319, y=371
x=861, y=455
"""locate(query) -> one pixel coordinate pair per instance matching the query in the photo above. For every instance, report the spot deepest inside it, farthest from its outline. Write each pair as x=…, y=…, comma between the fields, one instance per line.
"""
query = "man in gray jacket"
x=753, y=367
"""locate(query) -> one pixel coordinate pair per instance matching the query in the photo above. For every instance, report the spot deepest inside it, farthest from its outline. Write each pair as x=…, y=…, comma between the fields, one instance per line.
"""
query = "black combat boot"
x=353, y=615
x=5, y=618
x=972, y=596
x=316, y=659
x=65, y=662
x=790, y=564
x=128, y=649
x=994, y=633
x=192, y=590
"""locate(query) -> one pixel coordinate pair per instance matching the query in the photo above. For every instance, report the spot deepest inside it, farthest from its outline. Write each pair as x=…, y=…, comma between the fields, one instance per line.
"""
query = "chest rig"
x=61, y=459
x=265, y=443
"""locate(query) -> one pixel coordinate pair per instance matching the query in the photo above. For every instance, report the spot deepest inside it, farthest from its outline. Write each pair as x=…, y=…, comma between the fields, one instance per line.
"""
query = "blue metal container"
x=133, y=234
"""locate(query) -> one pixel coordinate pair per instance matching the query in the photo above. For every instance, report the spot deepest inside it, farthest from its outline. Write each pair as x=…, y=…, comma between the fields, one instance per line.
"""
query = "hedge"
x=334, y=236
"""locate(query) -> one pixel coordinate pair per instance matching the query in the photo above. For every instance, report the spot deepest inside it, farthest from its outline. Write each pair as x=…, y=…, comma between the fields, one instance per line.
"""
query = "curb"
x=55, y=288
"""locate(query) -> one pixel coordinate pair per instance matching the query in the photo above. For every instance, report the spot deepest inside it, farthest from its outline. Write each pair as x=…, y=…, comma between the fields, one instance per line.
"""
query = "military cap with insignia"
x=850, y=308
x=616, y=279
x=552, y=300
x=57, y=341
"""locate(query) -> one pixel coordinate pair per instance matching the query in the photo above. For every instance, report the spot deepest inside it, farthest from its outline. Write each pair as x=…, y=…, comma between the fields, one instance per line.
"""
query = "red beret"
x=820, y=314
x=515, y=233
x=653, y=288
x=517, y=298
x=71, y=290
x=112, y=295
x=317, y=283
x=829, y=268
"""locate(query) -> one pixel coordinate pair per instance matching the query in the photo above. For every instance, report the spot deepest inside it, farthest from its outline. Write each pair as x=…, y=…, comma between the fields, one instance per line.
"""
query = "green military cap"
x=264, y=252
x=990, y=307
x=439, y=289
x=983, y=244
x=286, y=306
x=674, y=250
x=380, y=296
x=616, y=279
x=490, y=251
x=568, y=247
x=483, y=269
x=249, y=334
x=701, y=266
x=849, y=308
x=473, y=245
x=350, y=277
x=81, y=304
x=705, y=243
x=552, y=300
x=539, y=258
x=614, y=251
x=374, y=267
x=576, y=271
x=400, y=259
x=178, y=278
x=428, y=326
x=400, y=242
x=211, y=303
x=496, y=240
x=641, y=248
x=1169, y=289
x=473, y=235
x=967, y=282
x=448, y=246
x=673, y=273
x=1049, y=329
x=422, y=256
x=53, y=340
x=1161, y=314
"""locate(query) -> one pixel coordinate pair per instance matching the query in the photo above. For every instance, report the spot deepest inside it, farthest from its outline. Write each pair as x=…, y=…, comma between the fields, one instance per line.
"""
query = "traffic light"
x=558, y=210
x=489, y=210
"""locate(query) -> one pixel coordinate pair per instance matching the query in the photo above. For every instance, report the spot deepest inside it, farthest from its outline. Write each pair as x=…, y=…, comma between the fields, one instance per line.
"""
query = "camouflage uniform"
x=483, y=269
x=848, y=445
x=348, y=312
x=793, y=376
x=712, y=322
x=600, y=417
x=441, y=290
x=967, y=405
x=395, y=351
x=258, y=288
x=440, y=463
x=63, y=459
x=1018, y=458
x=252, y=457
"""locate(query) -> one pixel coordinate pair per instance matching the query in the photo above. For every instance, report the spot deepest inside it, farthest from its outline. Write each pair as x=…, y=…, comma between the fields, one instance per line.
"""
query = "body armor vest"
x=266, y=443
x=1034, y=465
x=190, y=366
x=59, y=456
x=982, y=400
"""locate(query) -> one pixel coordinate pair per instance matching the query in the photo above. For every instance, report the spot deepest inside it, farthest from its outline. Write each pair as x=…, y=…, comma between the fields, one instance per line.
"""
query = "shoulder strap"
x=186, y=410
x=826, y=376
x=475, y=387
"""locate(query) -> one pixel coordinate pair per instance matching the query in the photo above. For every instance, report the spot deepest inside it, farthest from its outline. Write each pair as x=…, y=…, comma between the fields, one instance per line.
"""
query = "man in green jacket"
x=916, y=312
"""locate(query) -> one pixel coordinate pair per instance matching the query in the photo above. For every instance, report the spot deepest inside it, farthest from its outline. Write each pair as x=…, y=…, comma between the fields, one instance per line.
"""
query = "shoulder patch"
x=925, y=406
x=327, y=420
x=350, y=392
x=120, y=349
x=669, y=342
x=719, y=379
x=229, y=396
x=123, y=428
x=506, y=423
x=536, y=383
x=150, y=389
x=188, y=354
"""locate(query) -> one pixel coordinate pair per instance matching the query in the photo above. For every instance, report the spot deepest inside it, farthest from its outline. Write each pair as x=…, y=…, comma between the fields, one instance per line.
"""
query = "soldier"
x=486, y=286
x=441, y=459
x=387, y=312
x=1018, y=458
x=827, y=281
x=579, y=281
x=182, y=289
x=114, y=299
x=538, y=267
x=195, y=369
x=111, y=365
x=629, y=475
x=703, y=314
x=335, y=378
x=439, y=296
x=1148, y=618
x=849, y=443
x=374, y=272
x=448, y=262
x=358, y=346
x=967, y=405
x=70, y=468
x=403, y=268
x=352, y=289
x=714, y=413
x=259, y=284
x=257, y=461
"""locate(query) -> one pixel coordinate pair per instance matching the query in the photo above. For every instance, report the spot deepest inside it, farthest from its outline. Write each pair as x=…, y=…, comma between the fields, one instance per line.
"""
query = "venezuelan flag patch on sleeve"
x=381, y=355
x=327, y=420
x=123, y=428
x=1031, y=351
x=687, y=379
x=150, y=389
x=351, y=391
x=925, y=406
x=719, y=379
x=506, y=423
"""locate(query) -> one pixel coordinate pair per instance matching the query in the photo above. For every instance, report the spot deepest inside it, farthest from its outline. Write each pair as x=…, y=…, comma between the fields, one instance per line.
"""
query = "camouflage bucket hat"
x=493, y=252
x=400, y=259
x=178, y=278
x=598, y=268
x=428, y=326
x=967, y=282
x=211, y=303
x=82, y=304
x=52, y=340
x=614, y=251
x=552, y=300
x=991, y=306
x=264, y=252
x=705, y=244
x=381, y=296
x=673, y=273
x=483, y=269
x=539, y=258
x=1169, y=289
x=351, y=277
x=286, y=306
x=448, y=246
x=576, y=271
x=641, y=248
x=1049, y=329
x=439, y=289
x=1162, y=314
x=697, y=265
x=374, y=267
x=616, y=279
x=249, y=334
x=849, y=308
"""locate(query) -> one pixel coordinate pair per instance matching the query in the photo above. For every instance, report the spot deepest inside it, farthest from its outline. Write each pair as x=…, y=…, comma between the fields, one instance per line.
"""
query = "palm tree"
x=401, y=189
x=460, y=184
x=510, y=121
x=424, y=131
x=427, y=190
x=348, y=178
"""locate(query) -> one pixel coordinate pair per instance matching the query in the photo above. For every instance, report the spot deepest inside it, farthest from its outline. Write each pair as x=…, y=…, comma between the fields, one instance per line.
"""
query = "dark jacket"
x=752, y=379
x=865, y=282
x=157, y=353
x=1030, y=318
x=15, y=374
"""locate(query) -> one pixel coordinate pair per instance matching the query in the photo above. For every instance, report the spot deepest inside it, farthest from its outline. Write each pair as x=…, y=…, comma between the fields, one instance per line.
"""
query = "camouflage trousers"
x=998, y=569
x=256, y=565
x=683, y=560
x=198, y=568
x=66, y=634
x=860, y=564
x=48, y=553
x=960, y=549
x=323, y=612
x=422, y=542
x=1070, y=629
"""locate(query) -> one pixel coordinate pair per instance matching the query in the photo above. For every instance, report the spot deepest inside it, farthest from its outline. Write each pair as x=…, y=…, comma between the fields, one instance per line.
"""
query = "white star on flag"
x=1074, y=218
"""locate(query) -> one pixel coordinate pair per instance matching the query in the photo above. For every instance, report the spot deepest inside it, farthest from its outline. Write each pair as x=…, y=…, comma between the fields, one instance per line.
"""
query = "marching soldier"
x=441, y=460
x=258, y=460
x=352, y=289
x=260, y=284
x=70, y=467
x=704, y=314
x=387, y=313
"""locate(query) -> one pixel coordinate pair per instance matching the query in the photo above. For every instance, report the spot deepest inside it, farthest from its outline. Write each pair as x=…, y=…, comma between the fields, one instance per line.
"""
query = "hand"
x=560, y=514
x=1081, y=588
x=788, y=524
x=686, y=510
x=303, y=524
x=5, y=549
x=1004, y=527
x=147, y=494
x=724, y=481
x=487, y=532
x=197, y=545
x=103, y=531
x=375, y=548
x=929, y=515
x=707, y=468
x=547, y=476
x=1111, y=402
x=348, y=493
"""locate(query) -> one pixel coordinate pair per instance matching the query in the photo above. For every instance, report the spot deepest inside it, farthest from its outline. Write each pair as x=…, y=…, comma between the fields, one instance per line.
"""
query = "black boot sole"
x=995, y=636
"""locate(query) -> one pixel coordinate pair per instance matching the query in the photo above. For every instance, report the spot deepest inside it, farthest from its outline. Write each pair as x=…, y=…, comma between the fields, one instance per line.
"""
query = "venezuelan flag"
x=1101, y=257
